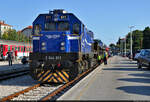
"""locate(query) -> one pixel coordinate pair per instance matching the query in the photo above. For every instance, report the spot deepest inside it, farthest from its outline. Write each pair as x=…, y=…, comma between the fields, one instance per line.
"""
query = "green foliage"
x=137, y=38
x=12, y=34
x=112, y=45
x=146, y=38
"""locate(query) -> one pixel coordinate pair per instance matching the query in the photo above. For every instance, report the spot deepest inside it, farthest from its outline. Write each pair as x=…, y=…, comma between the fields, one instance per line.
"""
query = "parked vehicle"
x=137, y=54
x=144, y=58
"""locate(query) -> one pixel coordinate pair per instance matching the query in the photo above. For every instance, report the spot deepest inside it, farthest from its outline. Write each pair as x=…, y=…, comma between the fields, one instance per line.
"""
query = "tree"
x=146, y=38
x=5, y=36
x=12, y=34
x=137, y=37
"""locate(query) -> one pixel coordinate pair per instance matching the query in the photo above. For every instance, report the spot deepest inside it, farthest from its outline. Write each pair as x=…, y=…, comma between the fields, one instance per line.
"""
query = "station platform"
x=120, y=79
x=16, y=66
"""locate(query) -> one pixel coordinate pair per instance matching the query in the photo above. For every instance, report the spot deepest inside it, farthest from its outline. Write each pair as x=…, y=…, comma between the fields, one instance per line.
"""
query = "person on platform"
x=10, y=57
x=105, y=57
x=99, y=59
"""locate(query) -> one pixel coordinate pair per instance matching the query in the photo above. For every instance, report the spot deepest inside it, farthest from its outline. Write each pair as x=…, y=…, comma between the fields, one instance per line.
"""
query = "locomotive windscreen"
x=57, y=26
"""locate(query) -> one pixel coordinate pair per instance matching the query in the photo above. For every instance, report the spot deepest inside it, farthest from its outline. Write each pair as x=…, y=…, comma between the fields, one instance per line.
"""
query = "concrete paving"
x=16, y=66
x=119, y=80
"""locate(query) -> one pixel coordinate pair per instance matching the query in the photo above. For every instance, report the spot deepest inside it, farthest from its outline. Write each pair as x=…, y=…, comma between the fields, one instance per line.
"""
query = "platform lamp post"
x=131, y=54
x=125, y=47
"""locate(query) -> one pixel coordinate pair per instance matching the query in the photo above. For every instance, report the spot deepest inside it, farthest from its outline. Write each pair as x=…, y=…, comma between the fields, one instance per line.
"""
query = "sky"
x=108, y=19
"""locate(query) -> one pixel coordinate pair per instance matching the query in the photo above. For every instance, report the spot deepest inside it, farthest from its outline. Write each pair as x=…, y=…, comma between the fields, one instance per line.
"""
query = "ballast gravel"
x=13, y=85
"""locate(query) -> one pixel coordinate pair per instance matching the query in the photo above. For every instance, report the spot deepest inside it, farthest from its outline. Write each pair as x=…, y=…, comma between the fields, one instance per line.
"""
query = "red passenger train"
x=23, y=49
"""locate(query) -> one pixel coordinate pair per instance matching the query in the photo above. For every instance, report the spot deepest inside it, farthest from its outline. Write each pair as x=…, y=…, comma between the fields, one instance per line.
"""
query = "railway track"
x=44, y=92
x=13, y=74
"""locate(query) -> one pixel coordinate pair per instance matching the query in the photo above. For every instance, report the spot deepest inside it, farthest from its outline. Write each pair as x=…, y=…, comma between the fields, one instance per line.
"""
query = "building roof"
x=5, y=24
x=29, y=27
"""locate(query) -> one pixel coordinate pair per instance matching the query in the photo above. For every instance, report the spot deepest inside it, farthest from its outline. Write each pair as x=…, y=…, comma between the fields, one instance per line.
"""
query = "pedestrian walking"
x=10, y=57
x=105, y=58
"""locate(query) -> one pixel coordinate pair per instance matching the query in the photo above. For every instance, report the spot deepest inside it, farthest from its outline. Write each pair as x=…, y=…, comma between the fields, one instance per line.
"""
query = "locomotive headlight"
x=43, y=43
x=62, y=48
x=43, y=48
x=62, y=43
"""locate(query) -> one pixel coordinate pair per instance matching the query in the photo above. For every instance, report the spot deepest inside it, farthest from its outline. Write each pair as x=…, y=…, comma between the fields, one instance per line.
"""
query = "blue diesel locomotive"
x=62, y=47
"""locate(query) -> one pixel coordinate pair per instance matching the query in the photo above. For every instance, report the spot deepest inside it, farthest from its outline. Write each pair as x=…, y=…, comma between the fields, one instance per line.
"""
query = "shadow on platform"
x=137, y=80
x=140, y=75
x=122, y=69
x=126, y=68
x=141, y=90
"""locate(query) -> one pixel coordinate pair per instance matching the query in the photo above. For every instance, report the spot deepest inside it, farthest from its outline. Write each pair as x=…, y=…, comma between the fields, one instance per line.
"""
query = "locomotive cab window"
x=50, y=26
x=37, y=29
x=76, y=28
x=63, y=26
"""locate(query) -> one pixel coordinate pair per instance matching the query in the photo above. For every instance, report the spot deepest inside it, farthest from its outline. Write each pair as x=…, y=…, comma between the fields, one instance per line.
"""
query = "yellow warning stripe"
x=40, y=74
x=62, y=76
x=58, y=77
x=55, y=80
x=44, y=75
x=48, y=77
x=65, y=74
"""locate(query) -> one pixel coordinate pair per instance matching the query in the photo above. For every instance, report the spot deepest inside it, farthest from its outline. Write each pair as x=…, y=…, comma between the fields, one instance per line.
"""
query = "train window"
x=12, y=48
x=18, y=48
x=63, y=26
x=21, y=49
x=76, y=28
x=15, y=47
x=37, y=29
x=50, y=26
x=8, y=48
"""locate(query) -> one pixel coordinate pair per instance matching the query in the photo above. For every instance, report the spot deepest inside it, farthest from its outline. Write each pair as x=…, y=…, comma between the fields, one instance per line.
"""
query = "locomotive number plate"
x=53, y=57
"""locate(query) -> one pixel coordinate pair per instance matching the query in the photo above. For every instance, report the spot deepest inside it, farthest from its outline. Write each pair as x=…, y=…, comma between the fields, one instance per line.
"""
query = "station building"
x=27, y=31
x=4, y=27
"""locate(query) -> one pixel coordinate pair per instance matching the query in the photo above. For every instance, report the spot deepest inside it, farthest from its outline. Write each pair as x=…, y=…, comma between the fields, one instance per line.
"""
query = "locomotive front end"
x=56, y=46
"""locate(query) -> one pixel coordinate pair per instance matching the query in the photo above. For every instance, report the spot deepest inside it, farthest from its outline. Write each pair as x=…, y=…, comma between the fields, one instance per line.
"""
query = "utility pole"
x=131, y=54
